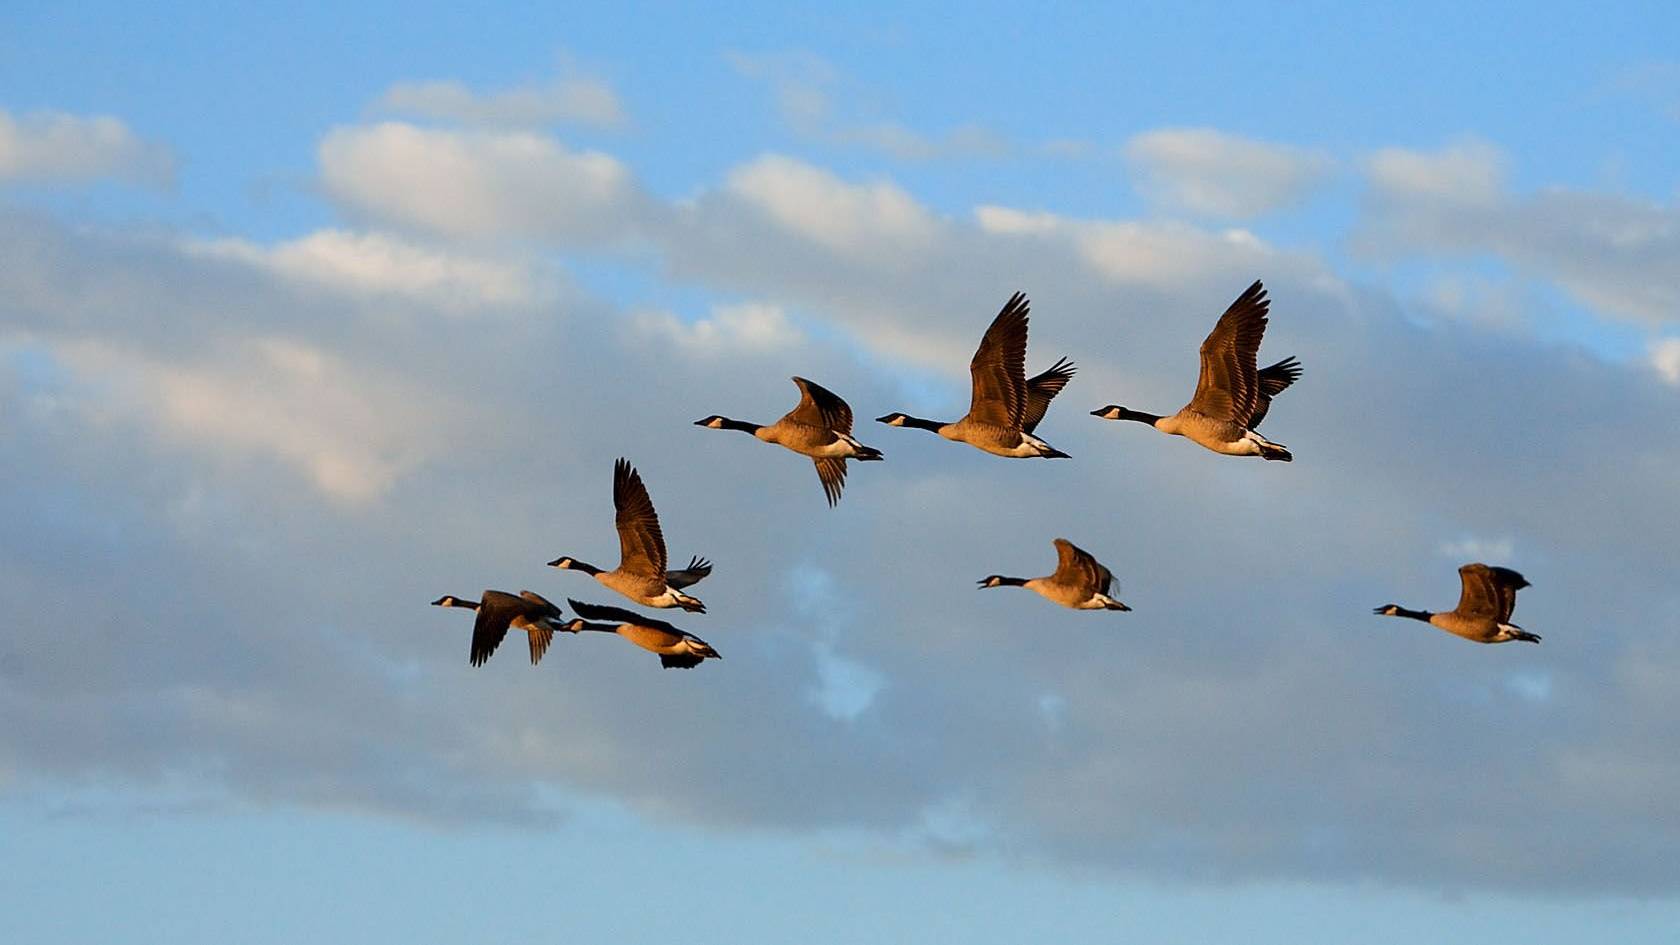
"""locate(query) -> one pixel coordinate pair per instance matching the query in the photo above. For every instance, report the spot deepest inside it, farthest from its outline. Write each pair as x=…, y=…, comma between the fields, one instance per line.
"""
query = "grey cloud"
x=1250, y=720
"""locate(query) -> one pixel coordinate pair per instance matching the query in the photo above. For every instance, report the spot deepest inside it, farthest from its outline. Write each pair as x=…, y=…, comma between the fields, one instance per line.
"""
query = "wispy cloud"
x=55, y=147
x=1213, y=173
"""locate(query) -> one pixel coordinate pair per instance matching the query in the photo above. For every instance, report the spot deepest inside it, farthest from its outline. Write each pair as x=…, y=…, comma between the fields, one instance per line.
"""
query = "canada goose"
x=1231, y=396
x=1484, y=607
x=676, y=648
x=1004, y=407
x=497, y=610
x=819, y=427
x=1079, y=582
x=641, y=574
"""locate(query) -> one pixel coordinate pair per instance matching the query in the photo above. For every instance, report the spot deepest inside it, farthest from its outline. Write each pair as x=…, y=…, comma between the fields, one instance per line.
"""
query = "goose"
x=677, y=649
x=1079, y=582
x=641, y=574
x=498, y=610
x=1004, y=407
x=1232, y=397
x=819, y=427
x=1484, y=607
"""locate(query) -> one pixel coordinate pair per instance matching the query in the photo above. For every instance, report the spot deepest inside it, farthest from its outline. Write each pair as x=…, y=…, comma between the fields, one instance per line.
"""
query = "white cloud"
x=1665, y=357
x=730, y=328
x=57, y=147
x=576, y=99
x=1468, y=173
x=347, y=433
x=1218, y=174
x=479, y=184
x=1617, y=255
x=382, y=265
x=1158, y=253
x=876, y=221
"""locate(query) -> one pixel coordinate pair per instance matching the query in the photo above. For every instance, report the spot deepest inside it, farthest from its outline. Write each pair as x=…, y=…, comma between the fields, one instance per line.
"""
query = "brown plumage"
x=1080, y=581
x=677, y=649
x=497, y=611
x=1486, y=599
x=1232, y=394
x=819, y=426
x=1004, y=406
x=641, y=574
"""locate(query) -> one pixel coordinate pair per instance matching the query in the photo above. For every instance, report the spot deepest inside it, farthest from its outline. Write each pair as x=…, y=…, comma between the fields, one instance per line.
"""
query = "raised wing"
x=1273, y=381
x=820, y=407
x=1480, y=596
x=641, y=545
x=538, y=605
x=698, y=569
x=495, y=611
x=999, y=368
x=832, y=472
x=1228, y=387
x=1043, y=388
x=605, y=614
x=1077, y=568
x=1508, y=583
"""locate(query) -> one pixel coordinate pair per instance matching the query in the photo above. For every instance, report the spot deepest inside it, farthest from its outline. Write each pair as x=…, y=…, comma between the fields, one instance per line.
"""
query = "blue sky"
x=307, y=318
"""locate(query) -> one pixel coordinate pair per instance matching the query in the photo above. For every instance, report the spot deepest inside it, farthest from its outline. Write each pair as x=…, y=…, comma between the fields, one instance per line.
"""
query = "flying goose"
x=641, y=574
x=498, y=610
x=1231, y=396
x=1004, y=407
x=676, y=648
x=819, y=427
x=1079, y=582
x=1484, y=607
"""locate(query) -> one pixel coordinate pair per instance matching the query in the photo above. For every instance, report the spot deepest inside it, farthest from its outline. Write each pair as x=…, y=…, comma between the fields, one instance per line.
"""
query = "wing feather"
x=999, y=368
x=1274, y=380
x=1228, y=387
x=820, y=407
x=1480, y=595
x=1043, y=388
x=641, y=544
x=832, y=472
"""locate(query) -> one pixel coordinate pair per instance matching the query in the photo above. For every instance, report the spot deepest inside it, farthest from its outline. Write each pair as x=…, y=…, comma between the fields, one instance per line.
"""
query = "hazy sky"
x=307, y=318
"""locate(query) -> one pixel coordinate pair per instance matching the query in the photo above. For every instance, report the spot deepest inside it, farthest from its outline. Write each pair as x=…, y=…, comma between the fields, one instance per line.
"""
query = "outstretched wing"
x=1273, y=381
x=1043, y=388
x=495, y=611
x=1480, y=596
x=820, y=407
x=680, y=660
x=697, y=571
x=607, y=614
x=999, y=368
x=1228, y=387
x=641, y=545
x=832, y=472
x=1076, y=567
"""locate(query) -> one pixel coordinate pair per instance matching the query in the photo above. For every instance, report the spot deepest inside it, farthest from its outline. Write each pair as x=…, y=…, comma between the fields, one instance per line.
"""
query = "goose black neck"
x=1139, y=416
x=742, y=425
x=921, y=424
x=599, y=627
x=586, y=568
x=1422, y=615
x=1011, y=582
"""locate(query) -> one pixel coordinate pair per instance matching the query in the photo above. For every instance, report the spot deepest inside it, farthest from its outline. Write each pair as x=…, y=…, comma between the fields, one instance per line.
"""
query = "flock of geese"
x=1232, y=397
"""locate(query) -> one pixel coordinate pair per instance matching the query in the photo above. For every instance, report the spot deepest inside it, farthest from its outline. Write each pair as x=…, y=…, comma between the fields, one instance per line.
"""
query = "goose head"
x=448, y=600
x=1387, y=610
x=714, y=421
x=1111, y=412
x=893, y=419
x=565, y=562
x=994, y=580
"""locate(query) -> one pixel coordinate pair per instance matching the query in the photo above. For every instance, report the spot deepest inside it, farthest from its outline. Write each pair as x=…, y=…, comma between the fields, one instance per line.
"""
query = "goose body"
x=677, y=649
x=1232, y=394
x=1080, y=582
x=819, y=426
x=641, y=575
x=1485, y=601
x=497, y=611
x=1004, y=406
